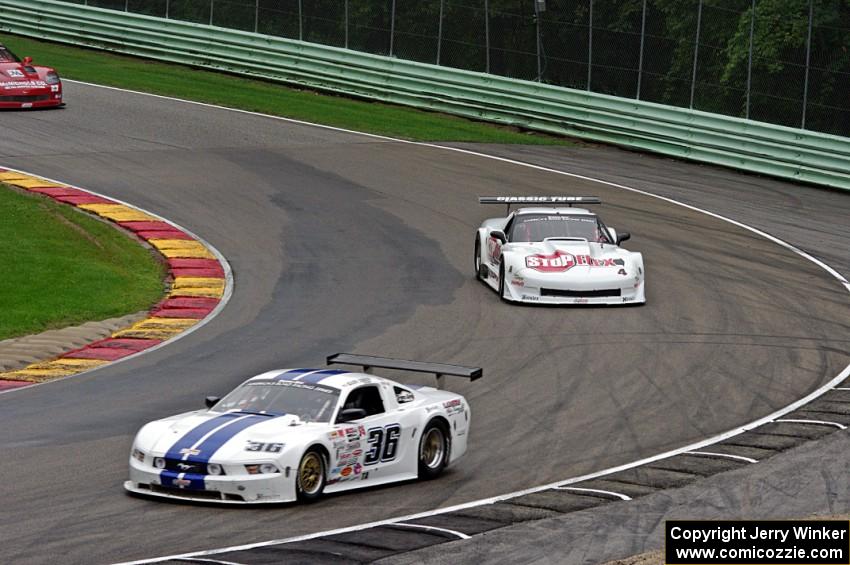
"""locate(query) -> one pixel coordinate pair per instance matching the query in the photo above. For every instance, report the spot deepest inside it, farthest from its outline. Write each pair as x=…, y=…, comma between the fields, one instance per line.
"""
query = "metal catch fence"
x=785, y=62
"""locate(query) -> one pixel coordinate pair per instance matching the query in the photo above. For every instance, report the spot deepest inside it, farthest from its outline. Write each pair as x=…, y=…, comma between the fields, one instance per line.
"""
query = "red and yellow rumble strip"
x=198, y=284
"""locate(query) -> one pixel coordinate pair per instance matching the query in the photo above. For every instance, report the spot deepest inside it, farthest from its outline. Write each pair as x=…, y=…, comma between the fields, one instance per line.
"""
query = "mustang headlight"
x=214, y=469
x=159, y=462
x=139, y=454
x=52, y=78
x=261, y=469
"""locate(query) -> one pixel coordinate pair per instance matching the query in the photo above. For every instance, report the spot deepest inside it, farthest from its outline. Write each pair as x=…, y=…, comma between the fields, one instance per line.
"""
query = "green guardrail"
x=710, y=138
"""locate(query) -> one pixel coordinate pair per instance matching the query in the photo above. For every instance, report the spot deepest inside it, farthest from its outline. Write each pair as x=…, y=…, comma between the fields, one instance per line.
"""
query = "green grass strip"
x=259, y=96
x=62, y=267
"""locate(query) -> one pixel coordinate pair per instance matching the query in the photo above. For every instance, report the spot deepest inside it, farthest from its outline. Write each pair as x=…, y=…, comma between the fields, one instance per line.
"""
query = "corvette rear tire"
x=433, y=450
x=311, y=476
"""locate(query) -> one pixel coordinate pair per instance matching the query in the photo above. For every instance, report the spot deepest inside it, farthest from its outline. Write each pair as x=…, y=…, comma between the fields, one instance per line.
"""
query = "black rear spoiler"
x=440, y=370
x=568, y=200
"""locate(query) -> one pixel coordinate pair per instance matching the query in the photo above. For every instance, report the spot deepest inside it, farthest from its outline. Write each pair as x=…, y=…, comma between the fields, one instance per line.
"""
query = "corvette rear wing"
x=568, y=200
x=440, y=370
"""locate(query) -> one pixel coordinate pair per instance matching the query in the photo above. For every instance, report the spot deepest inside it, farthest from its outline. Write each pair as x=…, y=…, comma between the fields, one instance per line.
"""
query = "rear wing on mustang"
x=440, y=370
x=568, y=200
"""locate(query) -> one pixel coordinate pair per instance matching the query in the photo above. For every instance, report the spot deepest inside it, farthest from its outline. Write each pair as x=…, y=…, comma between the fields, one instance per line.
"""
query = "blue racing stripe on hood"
x=214, y=442
x=194, y=435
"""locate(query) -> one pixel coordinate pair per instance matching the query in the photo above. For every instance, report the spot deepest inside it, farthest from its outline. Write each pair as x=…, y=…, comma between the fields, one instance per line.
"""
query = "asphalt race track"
x=342, y=242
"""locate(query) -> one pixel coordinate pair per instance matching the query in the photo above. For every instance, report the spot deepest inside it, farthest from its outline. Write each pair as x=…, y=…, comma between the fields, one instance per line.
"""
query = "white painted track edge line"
x=720, y=437
x=721, y=455
x=225, y=297
x=813, y=422
x=218, y=561
x=619, y=495
x=460, y=535
x=241, y=111
x=483, y=502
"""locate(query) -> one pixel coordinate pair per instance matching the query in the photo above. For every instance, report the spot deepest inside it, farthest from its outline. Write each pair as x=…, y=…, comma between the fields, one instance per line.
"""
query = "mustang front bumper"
x=229, y=489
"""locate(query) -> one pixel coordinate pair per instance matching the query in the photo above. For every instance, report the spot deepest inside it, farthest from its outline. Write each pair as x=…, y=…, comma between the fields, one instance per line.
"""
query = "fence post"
x=808, y=61
x=300, y=22
x=392, y=27
x=750, y=59
x=537, y=38
x=346, y=24
x=212, y=6
x=589, y=45
x=696, y=54
x=256, y=15
x=127, y=6
x=487, y=35
x=642, y=38
x=167, y=5
x=440, y=32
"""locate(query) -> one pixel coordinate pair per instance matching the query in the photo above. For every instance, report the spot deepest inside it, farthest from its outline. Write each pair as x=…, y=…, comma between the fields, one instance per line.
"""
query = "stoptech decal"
x=563, y=261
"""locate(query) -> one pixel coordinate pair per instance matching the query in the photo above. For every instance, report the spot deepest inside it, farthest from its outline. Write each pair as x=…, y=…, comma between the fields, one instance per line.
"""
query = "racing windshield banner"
x=804, y=542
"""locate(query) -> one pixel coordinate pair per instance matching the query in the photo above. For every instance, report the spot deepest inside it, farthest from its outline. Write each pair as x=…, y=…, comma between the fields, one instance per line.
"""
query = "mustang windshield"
x=311, y=403
x=537, y=227
x=7, y=56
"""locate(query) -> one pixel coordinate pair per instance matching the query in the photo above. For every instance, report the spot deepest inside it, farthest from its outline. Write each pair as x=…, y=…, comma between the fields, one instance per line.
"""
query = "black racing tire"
x=502, y=281
x=477, y=259
x=311, y=475
x=434, y=448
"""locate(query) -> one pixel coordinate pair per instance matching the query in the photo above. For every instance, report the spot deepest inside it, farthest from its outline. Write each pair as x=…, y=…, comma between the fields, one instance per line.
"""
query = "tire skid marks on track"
x=676, y=468
x=744, y=437
x=199, y=277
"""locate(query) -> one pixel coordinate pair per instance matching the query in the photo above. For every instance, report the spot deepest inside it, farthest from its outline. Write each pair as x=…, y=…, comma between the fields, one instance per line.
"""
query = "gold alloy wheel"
x=433, y=446
x=310, y=473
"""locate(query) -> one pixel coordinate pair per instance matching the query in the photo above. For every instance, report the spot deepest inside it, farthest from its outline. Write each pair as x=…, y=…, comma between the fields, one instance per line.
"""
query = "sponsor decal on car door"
x=494, y=250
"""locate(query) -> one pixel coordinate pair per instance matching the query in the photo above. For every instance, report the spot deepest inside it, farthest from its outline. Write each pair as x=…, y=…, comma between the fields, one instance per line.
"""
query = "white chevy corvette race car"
x=296, y=433
x=556, y=254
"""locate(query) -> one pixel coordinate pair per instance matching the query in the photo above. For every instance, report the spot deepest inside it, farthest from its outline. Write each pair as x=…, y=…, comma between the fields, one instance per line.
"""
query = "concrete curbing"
x=17, y=353
x=199, y=278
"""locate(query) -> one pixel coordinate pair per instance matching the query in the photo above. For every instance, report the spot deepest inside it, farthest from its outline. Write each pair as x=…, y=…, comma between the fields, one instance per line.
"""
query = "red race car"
x=23, y=85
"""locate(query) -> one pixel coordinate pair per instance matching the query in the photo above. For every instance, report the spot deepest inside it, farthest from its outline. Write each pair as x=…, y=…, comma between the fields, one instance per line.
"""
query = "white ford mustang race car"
x=296, y=433
x=556, y=254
